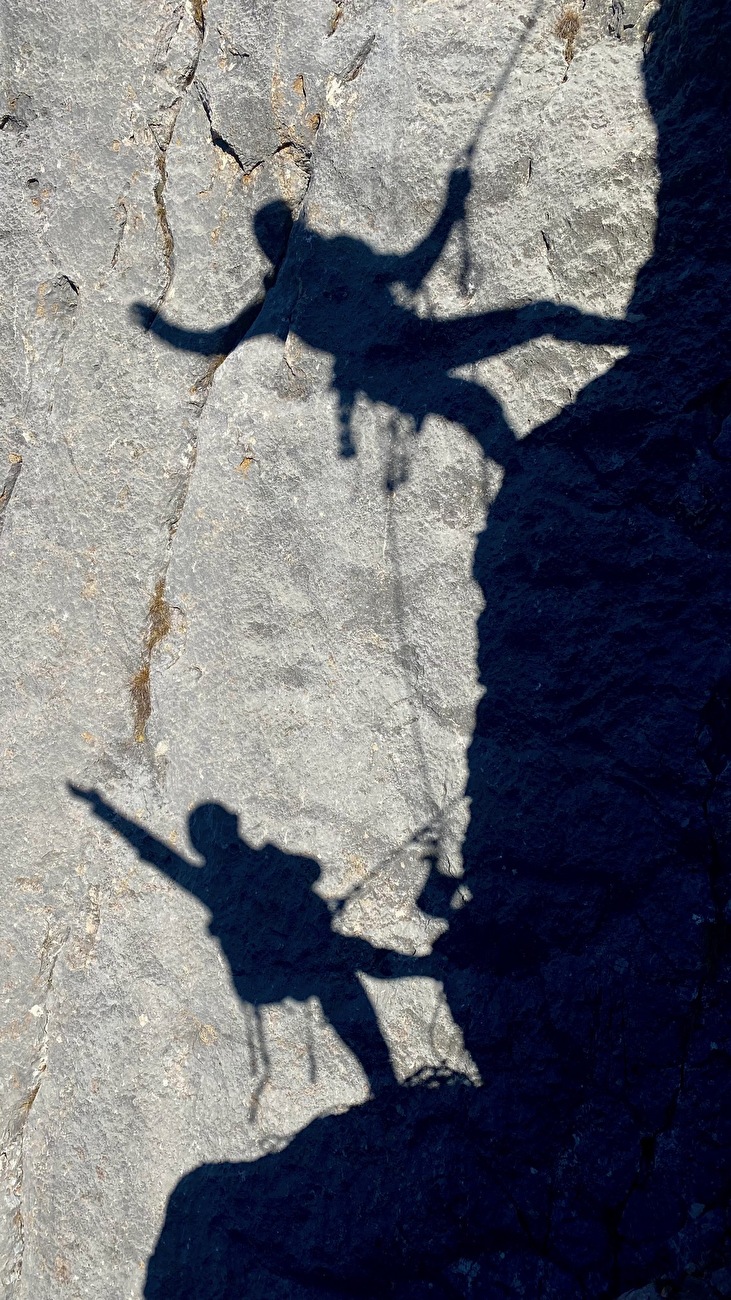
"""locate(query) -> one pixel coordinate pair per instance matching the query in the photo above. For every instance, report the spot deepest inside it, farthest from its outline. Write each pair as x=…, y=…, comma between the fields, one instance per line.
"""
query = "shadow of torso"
x=274, y=931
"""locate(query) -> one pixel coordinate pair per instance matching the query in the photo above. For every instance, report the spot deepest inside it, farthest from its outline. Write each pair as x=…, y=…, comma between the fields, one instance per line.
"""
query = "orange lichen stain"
x=158, y=626
x=43, y=289
x=276, y=94
x=160, y=616
x=567, y=28
x=29, y=884
x=139, y=689
x=61, y=1270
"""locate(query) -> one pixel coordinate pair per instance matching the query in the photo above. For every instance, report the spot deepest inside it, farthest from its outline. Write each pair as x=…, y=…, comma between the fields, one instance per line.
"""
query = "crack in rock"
x=160, y=613
x=219, y=141
x=356, y=66
x=162, y=133
x=11, y=478
x=12, y=1143
x=159, y=624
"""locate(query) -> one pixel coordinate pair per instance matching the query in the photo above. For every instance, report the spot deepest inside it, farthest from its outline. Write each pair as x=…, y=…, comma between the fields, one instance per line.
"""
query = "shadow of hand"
x=142, y=315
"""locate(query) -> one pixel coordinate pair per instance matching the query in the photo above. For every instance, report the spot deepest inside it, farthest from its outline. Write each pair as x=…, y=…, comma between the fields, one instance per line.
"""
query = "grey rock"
x=231, y=578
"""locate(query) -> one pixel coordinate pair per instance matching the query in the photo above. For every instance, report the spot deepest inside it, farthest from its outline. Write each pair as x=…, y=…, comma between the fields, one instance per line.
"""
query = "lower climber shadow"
x=274, y=931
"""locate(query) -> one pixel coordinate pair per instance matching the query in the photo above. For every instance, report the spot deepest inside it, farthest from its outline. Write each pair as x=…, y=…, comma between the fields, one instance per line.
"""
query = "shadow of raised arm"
x=149, y=848
x=412, y=268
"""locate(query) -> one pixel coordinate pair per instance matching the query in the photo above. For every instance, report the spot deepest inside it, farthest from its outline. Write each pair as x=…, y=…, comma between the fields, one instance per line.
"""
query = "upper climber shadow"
x=274, y=931
x=381, y=349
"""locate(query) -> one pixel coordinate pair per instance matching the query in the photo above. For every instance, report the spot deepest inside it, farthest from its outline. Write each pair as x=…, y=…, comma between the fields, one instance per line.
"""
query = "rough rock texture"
x=367, y=440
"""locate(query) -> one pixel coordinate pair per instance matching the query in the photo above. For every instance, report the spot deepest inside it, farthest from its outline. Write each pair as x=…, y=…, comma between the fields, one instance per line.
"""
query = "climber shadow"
x=590, y=972
x=381, y=350
x=274, y=931
x=402, y=1196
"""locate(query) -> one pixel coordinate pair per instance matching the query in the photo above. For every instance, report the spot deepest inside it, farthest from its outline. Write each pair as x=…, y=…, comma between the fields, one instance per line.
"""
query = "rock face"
x=367, y=673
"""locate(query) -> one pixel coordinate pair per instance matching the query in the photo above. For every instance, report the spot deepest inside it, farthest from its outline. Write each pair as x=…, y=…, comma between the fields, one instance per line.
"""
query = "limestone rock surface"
x=365, y=408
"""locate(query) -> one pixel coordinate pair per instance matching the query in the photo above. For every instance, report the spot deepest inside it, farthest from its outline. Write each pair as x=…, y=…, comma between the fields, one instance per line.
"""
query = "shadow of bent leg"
x=348, y=1009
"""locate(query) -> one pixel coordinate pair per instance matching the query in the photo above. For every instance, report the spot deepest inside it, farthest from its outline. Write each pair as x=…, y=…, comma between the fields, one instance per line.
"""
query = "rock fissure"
x=160, y=612
x=219, y=141
x=11, y=479
x=168, y=243
x=162, y=133
x=12, y=1147
x=355, y=67
x=337, y=17
x=159, y=624
x=67, y=293
x=123, y=219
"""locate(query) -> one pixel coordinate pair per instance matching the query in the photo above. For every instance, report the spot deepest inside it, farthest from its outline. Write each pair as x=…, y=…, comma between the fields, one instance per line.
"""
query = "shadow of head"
x=272, y=227
x=213, y=831
x=212, y=828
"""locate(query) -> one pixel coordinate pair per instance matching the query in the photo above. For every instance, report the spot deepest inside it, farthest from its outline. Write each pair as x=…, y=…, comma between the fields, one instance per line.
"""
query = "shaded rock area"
x=366, y=653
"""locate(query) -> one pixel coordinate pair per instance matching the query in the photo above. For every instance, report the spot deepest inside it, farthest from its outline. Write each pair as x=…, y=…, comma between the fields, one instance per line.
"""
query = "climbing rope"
x=467, y=275
x=429, y=835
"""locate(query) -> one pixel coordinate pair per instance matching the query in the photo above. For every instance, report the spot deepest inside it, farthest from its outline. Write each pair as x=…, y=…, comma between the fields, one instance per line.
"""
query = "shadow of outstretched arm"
x=203, y=343
x=273, y=226
x=149, y=848
x=469, y=339
x=569, y=324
